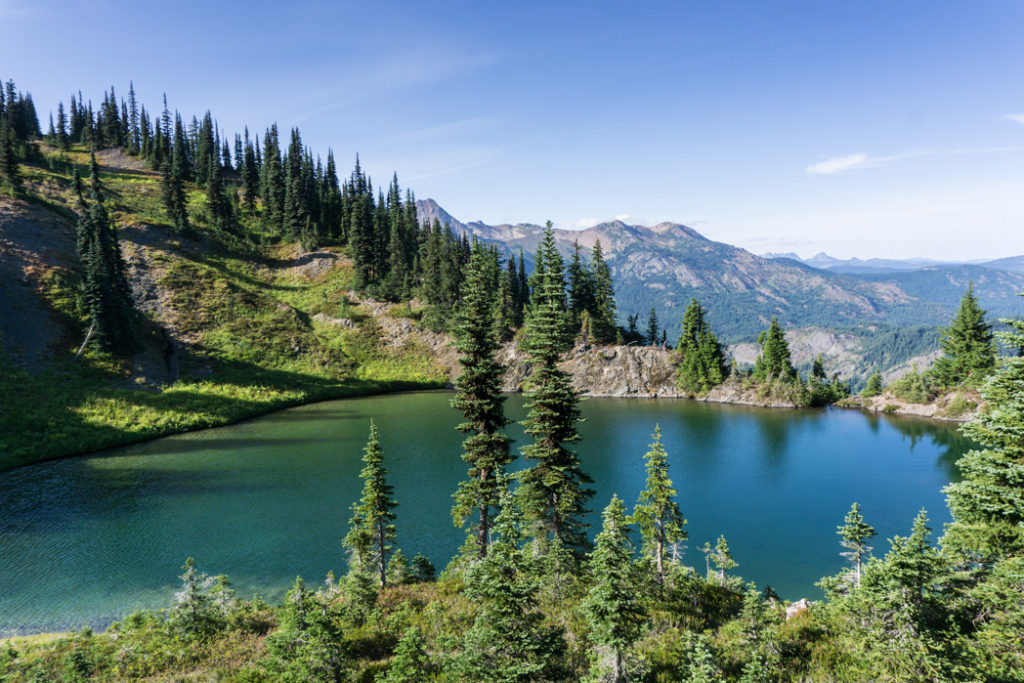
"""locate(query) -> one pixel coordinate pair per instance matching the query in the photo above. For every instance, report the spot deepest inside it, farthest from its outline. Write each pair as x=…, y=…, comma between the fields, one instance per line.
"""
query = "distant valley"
x=884, y=315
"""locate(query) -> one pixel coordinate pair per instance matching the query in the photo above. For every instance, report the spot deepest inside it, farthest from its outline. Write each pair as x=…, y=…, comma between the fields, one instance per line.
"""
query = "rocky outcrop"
x=953, y=406
x=620, y=371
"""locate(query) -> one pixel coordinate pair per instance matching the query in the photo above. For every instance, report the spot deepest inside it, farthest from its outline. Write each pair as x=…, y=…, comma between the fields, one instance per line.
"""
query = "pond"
x=88, y=540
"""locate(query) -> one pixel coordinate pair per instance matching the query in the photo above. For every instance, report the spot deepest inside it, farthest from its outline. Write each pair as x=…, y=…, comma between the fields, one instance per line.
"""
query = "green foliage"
x=613, y=610
x=657, y=514
x=307, y=645
x=553, y=492
x=855, y=534
x=411, y=664
x=874, y=385
x=968, y=345
x=774, y=360
x=914, y=387
x=478, y=396
x=988, y=502
x=701, y=362
x=371, y=529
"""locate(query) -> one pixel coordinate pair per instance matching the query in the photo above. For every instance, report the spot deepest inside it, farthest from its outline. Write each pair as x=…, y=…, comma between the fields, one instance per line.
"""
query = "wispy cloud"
x=1016, y=118
x=586, y=222
x=621, y=216
x=861, y=160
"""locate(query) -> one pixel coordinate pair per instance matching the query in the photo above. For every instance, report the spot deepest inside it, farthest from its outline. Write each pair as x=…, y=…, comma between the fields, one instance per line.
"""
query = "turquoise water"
x=88, y=540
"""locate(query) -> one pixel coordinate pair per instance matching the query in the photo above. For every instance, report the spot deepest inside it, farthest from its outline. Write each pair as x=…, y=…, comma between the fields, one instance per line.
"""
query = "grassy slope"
x=239, y=315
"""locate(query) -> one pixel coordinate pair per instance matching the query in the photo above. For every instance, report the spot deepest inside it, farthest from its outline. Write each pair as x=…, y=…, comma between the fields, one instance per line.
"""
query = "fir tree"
x=774, y=360
x=968, y=345
x=105, y=291
x=10, y=172
x=855, y=534
x=722, y=557
x=553, y=490
x=657, y=514
x=478, y=395
x=874, y=385
x=702, y=364
x=987, y=504
x=411, y=664
x=374, y=514
x=173, y=191
x=613, y=610
x=652, y=328
x=603, y=315
x=507, y=641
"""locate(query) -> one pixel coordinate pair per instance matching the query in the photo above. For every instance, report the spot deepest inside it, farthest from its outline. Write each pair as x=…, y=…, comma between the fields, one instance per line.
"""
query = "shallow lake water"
x=88, y=540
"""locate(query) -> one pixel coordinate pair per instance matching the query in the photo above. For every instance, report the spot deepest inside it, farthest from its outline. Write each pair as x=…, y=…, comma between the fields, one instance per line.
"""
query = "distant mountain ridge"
x=1013, y=264
x=664, y=265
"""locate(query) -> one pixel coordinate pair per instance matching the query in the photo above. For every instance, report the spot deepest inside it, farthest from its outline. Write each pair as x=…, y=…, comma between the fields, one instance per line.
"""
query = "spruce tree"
x=701, y=362
x=874, y=385
x=508, y=641
x=105, y=291
x=722, y=557
x=968, y=345
x=774, y=360
x=478, y=395
x=372, y=531
x=604, y=315
x=173, y=191
x=612, y=607
x=10, y=172
x=652, y=328
x=987, y=504
x=657, y=514
x=553, y=490
x=855, y=534
x=411, y=664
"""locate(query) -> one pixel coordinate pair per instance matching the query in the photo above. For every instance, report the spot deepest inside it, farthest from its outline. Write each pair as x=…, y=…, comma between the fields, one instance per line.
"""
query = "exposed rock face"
x=627, y=371
x=954, y=406
x=797, y=608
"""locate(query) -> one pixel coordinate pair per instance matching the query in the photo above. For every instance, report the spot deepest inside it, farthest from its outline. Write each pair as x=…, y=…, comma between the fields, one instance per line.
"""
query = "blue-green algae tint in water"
x=88, y=540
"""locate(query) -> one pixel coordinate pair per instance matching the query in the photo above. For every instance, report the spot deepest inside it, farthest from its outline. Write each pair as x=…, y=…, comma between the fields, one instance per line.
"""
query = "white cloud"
x=861, y=160
x=1016, y=118
x=621, y=216
x=839, y=164
x=586, y=222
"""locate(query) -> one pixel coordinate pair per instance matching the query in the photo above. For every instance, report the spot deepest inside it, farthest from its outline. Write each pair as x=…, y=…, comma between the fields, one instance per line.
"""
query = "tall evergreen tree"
x=478, y=395
x=10, y=172
x=554, y=490
x=604, y=315
x=612, y=606
x=774, y=360
x=722, y=557
x=702, y=364
x=374, y=515
x=968, y=345
x=653, y=330
x=508, y=641
x=987, y=504
x=105, y=291
x=173, y=191
x=657, y=514
x=855, y=534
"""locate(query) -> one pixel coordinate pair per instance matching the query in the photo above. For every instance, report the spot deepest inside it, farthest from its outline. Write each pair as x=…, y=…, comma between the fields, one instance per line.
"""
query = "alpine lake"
x=88, y=540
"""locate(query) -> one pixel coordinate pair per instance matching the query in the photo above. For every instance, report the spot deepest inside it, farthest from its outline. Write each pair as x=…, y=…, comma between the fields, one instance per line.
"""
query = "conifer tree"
x=774, y=360
x=478, y=395
x=652, y=328
x=968, y=345
x=604, y=316
x=581, y=285
x=105, y=291
x=62, y=128
x=553, y=491
x=874, y=385
x=855, y=534
x=217, y=203
x=657, y=514
x=10, y=173
x=722, y=557
x=987, y=504
x=411, y=664
x=372, y=532
x=614, y=612
x=173, y=191
x=507, y=641
x=702, y=364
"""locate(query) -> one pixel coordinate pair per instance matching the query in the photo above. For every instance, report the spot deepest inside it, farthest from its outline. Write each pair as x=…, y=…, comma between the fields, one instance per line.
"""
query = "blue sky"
x=858, y=128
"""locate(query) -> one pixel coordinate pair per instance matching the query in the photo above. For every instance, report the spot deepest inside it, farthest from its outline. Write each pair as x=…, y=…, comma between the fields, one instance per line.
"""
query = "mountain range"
x=1014, y=264
x=891, y=313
